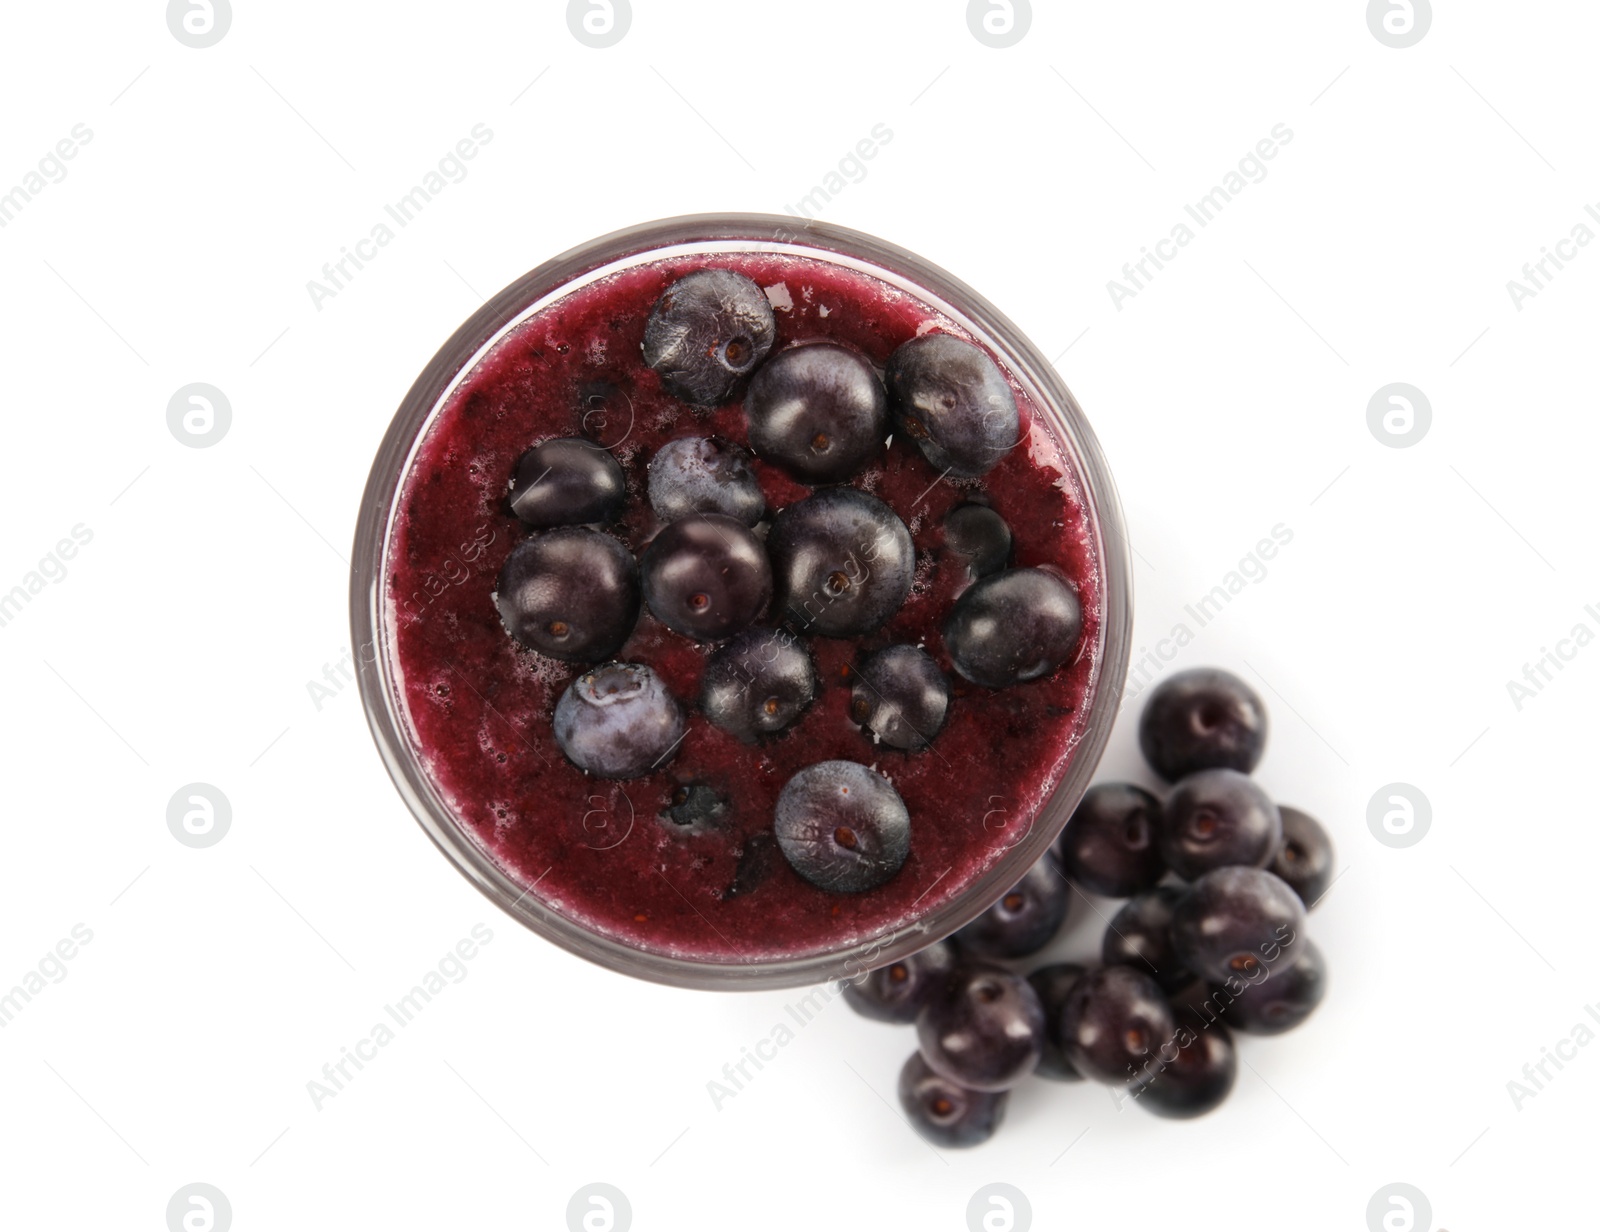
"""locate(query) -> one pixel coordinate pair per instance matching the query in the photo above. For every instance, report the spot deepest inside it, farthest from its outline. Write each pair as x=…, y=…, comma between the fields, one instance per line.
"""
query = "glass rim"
x=502, y=313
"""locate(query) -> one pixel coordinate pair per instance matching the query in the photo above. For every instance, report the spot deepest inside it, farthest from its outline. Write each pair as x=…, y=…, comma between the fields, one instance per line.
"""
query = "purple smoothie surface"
x=479, y=706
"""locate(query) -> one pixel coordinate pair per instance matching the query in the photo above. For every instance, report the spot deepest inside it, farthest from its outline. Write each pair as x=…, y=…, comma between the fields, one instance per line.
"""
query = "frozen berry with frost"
x=707, y=333
x=705, y=474
x=618, y=721
x=693, y=808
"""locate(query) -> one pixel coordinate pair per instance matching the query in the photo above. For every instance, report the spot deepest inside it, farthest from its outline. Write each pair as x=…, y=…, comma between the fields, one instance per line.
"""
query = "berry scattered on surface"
x=943, y=1112
x=1215, y=818
x=704, y=474
x=1279, y=997
x=567, y=481
x=618, y=721
x=571, y=593
x=706, y=576
x=1053, y=983
x=1235, y=921
x=900, y=696
x=951, y=400
x=1026, y=917
x=1114, y=1021
x=842, y=826
x=1202, y=719
x=842, y=562
x=1305, y=857
x=707, y=333
x=758, y=684
x=1013, y=626
x=818, y=411
x=1111, y=845
x=1140, y=936
x=985, y=1030
x=897, y=992
x=1199, y=1075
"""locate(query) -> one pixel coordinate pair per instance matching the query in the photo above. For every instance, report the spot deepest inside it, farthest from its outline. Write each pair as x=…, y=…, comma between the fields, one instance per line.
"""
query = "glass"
x=707, y=234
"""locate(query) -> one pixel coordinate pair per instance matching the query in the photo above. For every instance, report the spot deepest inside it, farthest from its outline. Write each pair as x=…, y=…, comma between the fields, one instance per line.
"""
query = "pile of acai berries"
x=1212, y=939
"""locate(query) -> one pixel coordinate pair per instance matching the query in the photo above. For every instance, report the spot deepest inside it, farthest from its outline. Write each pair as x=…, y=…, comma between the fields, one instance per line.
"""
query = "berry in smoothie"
x=707, y=334
x=818, y=411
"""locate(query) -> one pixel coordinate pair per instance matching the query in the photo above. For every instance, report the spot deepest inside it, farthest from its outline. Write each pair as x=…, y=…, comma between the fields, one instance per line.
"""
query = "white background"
x=1231, y=395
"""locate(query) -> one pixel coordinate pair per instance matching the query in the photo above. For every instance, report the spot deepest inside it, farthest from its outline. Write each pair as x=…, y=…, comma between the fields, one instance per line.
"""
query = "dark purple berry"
x=1202, y=719
x=897, y=992
x=1025, y=919
x=1305, y=857
x=842, y=826
x=985, y=1030
x=618, y=721
x=979, y=537
x=900, y=696
x=758, y=860
x=1140, y=936
x=566, y=482
x=1111, y=845
x=950, y=399
x=818, y=411
x=1053, y=984
x=944, y=1113
x=708, y=332
x=1194, y=1005
x=1215, y=818
x=842, y=562
x=1114, y=1020
x=758, y=684
x=705, y=474
x=1234, y=921
x=1013, y=626
x=1192, y=1074
x=1278, y=997
x=693, y=808
x=706, y=576
x=571, y=593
